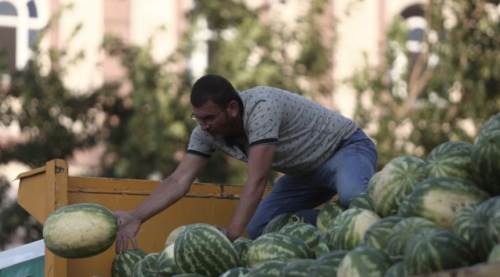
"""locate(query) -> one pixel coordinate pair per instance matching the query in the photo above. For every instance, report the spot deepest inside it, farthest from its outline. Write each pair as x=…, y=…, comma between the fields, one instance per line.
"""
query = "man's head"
x=216, y=105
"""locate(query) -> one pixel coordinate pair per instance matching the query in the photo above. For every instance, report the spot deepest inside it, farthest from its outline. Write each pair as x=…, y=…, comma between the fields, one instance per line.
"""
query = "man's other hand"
x=128, y=227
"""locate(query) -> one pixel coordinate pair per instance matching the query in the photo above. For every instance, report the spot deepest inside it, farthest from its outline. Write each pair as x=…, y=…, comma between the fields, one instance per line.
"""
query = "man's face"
x=212, y=118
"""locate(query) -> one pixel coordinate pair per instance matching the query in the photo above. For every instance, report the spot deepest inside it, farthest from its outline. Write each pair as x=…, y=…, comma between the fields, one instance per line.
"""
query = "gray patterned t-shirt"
x=306, y=134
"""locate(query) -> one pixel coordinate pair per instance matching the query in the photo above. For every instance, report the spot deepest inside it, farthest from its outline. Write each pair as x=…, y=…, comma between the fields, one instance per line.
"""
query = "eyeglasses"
x=206, y=120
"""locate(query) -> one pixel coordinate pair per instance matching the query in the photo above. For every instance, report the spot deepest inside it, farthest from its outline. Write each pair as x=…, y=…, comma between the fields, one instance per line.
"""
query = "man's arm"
x=259, y=163
x=166, y=193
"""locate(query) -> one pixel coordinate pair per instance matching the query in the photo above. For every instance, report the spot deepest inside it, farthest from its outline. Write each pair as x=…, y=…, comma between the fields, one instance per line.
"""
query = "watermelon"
x=332, y=260
x=388, y=187
x=279, y=221
x=492, y=124
x=267, y=268
x=362, y=201
x=298, y=268
x=403, y=231
x=494, y=255
x=326, y=215
x=203, y=249
x=486, y=155
x=439, y=199
x=479, y=225
x=148, y=266
x=364, y=261
x=123, y=263
x=348, y=229
x=172, y=236
x=80, y=230
x=321, y=248
x=166, y=262
x=169, y=252
x=378, y=233
x=304, y=232
x=236, y=272
x=276, y=246
x=451, y=159
x=435, y=249
x=305, y=268
x=396, y=270
x=188, y=275
x=241, y=245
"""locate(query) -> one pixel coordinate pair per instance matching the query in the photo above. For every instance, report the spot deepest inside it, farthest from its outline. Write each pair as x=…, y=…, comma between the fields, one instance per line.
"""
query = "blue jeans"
x=347, y=173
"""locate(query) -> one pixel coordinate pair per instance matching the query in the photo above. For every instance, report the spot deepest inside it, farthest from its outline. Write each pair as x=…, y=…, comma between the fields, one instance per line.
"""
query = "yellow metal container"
x=43, y=190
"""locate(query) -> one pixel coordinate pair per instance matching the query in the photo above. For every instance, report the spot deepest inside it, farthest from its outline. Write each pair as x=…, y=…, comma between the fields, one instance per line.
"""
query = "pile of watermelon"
x=419, y=215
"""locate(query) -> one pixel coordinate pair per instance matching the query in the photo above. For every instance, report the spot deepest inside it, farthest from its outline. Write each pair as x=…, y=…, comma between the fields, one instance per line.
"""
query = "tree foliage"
x=146, y=128
x=417, y=100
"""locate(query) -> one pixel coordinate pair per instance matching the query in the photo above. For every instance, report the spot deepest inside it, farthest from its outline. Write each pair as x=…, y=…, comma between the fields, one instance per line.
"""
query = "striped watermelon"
x=203, y=249
x=276, y=246
x=298, y=268
x=396, y=270
x=241, y=245
x=436, y=249
x=388, y=187
x=364, y=261
x=172, y=236
x=169, y=252
x=479, y=225
x=402, y=232
x=148, y=266
x=332, y=260
x=267, y=268
x=486, y=155
x=379, y=232
x=326, y=215
x=279, y=221
x=123, y=263
x=440, y=199
x=304, y=232
x=451, y=159
x=236, y=272
x=188, y=275
x=348, y=229
x=80, y=230
x=492, y=124
x=166, y=262
x=321, y=248
x=305, y=268
x=362, y=201
x=494, y=255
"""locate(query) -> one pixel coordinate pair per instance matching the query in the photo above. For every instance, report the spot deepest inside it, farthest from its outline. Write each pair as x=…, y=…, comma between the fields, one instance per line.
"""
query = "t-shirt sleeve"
x=264, y=122
x=200, y=143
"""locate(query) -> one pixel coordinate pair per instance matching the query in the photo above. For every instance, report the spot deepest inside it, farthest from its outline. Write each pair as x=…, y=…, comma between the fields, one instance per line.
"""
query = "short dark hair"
x=213, y=88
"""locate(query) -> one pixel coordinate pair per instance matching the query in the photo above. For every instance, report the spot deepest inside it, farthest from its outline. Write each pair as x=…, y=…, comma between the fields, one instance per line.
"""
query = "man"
x=319, y=151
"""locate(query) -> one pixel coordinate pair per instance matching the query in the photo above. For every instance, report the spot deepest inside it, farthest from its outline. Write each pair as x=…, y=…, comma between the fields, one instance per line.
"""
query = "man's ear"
x=233, y=108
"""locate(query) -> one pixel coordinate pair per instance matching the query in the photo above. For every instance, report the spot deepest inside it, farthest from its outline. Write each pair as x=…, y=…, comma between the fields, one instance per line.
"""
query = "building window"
x=20, y=23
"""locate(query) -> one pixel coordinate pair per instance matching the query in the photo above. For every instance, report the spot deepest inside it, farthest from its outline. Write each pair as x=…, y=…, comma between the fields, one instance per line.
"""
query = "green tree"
x=443, y=92
x=146, y=128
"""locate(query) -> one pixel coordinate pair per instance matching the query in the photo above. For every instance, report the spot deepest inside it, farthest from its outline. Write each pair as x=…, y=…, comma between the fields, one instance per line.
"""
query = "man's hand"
x=259, y=163
x=228, y=233
x=128, y=227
